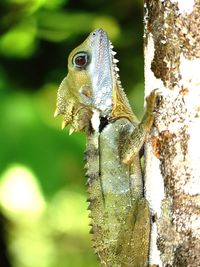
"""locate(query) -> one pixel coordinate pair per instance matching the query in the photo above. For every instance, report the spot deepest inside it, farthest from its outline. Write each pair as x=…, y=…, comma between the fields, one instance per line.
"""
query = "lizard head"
x=92, y=84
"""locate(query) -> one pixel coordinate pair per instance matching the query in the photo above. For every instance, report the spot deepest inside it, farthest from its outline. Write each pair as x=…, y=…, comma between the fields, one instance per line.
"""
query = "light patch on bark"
x=154, y=253
x=192, y=187
x=153, y=175
x=153, y=181
x=189, y=70
x=184, y=5
x=154, y=193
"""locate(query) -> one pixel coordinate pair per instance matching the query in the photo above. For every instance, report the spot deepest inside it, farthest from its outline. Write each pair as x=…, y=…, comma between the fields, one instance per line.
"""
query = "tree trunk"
x=172, y=179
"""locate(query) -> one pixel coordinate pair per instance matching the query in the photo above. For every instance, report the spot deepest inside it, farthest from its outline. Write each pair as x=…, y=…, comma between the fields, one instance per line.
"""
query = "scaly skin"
x=92, y=100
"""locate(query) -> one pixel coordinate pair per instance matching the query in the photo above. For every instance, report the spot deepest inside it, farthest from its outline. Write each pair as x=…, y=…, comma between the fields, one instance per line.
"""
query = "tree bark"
x=172, y=168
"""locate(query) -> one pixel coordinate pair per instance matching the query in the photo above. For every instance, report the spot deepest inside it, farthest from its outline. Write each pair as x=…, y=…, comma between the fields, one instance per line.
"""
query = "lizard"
x=92, y=100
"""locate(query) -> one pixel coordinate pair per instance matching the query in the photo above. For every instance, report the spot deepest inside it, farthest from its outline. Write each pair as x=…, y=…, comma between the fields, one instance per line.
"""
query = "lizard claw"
x=153, y=100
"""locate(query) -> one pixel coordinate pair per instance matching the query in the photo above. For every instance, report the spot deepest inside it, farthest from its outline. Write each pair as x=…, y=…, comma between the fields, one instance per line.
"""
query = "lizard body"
x=92, y=100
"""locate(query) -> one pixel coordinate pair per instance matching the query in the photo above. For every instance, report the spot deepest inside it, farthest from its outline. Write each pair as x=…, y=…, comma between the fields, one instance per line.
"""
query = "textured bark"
x=172, y=179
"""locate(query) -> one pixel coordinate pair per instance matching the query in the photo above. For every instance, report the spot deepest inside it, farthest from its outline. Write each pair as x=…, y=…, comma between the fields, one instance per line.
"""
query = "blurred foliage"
x=44, y=219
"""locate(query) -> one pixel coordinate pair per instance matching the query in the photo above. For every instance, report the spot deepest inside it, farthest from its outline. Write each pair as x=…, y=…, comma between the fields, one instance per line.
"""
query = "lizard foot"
x=153, y=100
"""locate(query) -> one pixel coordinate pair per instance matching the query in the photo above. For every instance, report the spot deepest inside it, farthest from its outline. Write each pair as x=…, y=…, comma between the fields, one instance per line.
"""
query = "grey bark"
x=172, y=168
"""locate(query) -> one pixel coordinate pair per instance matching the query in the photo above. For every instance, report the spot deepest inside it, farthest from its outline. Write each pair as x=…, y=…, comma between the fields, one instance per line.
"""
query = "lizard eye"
x=80, y=60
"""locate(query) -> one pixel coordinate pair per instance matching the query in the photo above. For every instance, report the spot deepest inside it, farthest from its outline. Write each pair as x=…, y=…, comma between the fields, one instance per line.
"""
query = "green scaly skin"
x=92, y=100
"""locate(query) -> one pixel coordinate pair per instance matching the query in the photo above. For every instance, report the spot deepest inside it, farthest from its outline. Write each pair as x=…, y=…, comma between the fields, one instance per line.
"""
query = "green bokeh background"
x=44, y=217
